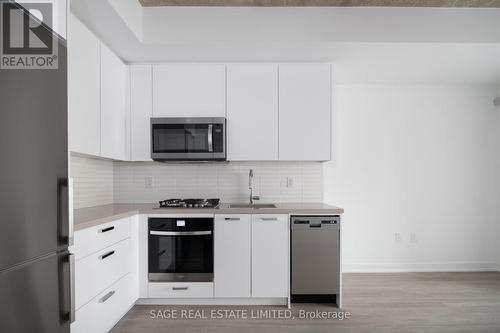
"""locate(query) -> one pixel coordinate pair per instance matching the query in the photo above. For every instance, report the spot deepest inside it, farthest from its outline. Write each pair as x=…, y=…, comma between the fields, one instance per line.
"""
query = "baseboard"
x=212, y=301
x=412, y=267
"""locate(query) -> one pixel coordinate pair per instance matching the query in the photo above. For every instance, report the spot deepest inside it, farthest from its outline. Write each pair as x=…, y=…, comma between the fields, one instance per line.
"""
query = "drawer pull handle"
x=232, y=219
x=180, y=288
x=269, y=218
x=103, y=230
x=107, y=296
x=104, y=256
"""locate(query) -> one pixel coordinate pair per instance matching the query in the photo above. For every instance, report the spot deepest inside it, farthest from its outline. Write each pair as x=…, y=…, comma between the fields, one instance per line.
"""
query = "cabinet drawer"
x=106, y=309
x=97, y=271
x=90, y=240
x=181, y=290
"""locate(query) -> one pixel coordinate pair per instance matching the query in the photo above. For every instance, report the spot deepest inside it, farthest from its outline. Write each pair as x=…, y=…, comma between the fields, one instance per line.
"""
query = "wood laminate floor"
x=403, y=302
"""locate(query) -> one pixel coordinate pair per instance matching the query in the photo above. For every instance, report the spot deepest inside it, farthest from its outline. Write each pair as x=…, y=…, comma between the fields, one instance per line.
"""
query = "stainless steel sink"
x=253, y=206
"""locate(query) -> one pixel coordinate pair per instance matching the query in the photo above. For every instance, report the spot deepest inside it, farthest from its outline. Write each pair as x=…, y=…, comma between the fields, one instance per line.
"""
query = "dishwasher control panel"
x=314, y=221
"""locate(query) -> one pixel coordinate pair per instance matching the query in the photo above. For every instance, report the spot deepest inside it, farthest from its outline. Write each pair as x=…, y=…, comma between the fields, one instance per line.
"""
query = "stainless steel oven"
x=181, y=249
x=188, y=139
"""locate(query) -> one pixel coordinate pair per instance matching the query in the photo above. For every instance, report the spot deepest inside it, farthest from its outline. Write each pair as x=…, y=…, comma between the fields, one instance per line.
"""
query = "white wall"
x=414, y=159
x=228, y=181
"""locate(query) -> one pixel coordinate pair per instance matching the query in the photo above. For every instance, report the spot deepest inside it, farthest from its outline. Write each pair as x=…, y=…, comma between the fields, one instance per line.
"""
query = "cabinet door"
x=305, y=112
x=189, y=90
x=232, y=255
x=252, y=112
x=141, y=111
x=84, y=106
x=270, y=255
x=113, y=106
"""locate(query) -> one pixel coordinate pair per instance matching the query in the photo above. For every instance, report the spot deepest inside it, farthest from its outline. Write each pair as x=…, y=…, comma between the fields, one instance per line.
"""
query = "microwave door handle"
x=210, y=137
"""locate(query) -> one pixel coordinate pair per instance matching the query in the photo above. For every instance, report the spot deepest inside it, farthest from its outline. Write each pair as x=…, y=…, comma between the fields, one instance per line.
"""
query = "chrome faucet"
x=250, y=187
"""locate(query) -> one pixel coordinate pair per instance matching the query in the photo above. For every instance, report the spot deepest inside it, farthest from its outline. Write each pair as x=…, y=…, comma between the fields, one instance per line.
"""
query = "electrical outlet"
x=413, y=237
x=397, y=237
x=148, y=182
x=289, y=182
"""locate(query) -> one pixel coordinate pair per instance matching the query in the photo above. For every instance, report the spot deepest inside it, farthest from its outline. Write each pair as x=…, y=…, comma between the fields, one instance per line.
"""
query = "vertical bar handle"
x=210, y=134
x=72, y=287
x=63, y=228
x=71, y=230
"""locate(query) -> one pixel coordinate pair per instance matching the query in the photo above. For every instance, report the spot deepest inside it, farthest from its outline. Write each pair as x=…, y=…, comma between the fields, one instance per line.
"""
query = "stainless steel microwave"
x=188, y=139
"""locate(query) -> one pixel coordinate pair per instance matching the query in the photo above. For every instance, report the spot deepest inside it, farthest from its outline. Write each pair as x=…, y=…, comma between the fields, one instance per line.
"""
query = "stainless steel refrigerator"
x=35, y=286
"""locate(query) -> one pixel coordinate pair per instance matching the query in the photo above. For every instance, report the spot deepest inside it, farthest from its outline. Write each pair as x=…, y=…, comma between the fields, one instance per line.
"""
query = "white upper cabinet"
x=304, y=112
x=252, y=112
x=270, y=255
x=115, y=113
x=84, y=110
x=141, y=111
x=189, y=90
x=232, y=255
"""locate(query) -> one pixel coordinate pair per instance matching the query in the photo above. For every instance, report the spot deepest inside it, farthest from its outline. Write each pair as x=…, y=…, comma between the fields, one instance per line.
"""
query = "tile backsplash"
x=92, y=181
x=145, y=182
x=100, y=182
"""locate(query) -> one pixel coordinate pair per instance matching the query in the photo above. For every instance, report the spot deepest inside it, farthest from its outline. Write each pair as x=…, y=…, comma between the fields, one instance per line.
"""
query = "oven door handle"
x=180, y=233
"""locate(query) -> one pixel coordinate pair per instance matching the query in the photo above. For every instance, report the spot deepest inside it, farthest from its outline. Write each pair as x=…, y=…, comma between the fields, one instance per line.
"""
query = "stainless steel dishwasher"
x=315, y=259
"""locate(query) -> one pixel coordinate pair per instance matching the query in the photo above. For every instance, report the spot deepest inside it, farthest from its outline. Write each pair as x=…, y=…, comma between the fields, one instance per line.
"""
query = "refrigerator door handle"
x=67, y=286
x=63, y=225
x=72, y=287
x=71, y=232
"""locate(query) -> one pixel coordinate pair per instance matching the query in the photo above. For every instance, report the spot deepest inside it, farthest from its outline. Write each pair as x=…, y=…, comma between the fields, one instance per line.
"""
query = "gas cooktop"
x=190, y=203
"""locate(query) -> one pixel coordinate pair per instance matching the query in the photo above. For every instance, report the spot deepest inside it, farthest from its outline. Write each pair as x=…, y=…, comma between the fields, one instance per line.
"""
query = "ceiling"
x=366, y=45
x=325, y=3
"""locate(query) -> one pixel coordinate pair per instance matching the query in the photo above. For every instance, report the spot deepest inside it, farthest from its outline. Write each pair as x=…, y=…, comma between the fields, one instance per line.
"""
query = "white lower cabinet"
x=251, y=256
x=270, y=255
x=90, y=240
x=106, y=309
x=106, y=284
x=101, y=269
x=232, y=255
